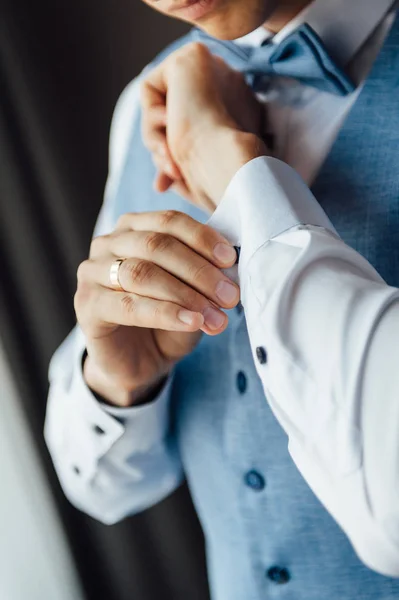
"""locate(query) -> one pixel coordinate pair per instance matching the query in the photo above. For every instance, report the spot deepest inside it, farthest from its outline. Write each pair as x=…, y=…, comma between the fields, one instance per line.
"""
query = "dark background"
x=62, y=66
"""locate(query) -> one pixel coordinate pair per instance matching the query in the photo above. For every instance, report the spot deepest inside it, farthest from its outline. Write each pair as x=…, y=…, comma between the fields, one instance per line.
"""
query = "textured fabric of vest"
x=222, y=432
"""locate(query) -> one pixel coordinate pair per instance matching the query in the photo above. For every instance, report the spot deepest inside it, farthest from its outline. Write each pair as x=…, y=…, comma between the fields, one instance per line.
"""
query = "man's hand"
x=201, y=122
x=174, y=290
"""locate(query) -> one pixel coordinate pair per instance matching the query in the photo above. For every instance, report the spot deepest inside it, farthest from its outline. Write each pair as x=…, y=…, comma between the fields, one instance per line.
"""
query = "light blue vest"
x=267, y=535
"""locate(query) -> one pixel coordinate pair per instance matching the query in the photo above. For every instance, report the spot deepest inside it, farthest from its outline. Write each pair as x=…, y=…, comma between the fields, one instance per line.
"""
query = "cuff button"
x=99, y=430
x=261, y=355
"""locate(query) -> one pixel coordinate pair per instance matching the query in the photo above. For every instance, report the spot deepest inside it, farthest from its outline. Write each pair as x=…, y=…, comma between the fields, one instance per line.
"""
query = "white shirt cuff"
x=97, y=427
x=146, y=424
x=265, y=198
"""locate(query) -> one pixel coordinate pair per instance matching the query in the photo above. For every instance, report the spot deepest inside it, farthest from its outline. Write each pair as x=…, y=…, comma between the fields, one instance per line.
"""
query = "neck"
x=287, y=10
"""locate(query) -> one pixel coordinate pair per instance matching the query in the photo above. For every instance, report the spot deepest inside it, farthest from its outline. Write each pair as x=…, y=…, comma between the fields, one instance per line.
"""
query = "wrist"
x=108, y=392
x=216, y=156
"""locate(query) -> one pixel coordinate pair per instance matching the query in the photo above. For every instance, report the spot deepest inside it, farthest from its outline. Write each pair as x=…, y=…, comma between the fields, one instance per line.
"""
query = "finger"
x=157, y=116
x=100, y=246
x=146, y=279
x=205, y=240
x=154, y=126
x=163, y=161
x=153, y=89
x=128, y=309
x=181, y=261
x=162, y=182
x=172, y=168
x=154, y=139
x=154, y=116
x=153, y=101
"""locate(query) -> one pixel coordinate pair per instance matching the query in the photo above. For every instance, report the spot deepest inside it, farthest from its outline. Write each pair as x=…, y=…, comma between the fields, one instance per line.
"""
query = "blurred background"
x=62, y=67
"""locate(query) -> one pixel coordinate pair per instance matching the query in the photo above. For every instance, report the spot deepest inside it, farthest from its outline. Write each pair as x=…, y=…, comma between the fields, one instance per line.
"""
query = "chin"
x=236, y=18
x=222, y=19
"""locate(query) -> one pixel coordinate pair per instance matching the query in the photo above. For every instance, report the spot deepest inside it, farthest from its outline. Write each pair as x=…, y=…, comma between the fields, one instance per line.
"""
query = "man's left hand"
x=201, y=122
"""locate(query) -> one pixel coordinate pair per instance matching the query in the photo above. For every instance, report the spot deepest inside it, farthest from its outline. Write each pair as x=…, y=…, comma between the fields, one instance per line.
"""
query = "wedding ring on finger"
x=114, y=275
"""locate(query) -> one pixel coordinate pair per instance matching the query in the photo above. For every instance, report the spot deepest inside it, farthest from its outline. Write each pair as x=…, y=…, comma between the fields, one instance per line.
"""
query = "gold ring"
x=114, y=274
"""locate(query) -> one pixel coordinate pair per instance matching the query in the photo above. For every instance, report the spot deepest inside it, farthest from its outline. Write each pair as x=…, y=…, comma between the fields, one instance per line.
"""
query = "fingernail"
x=224, y=253
x=186, y=316
x=226, y=292
x=214, y=319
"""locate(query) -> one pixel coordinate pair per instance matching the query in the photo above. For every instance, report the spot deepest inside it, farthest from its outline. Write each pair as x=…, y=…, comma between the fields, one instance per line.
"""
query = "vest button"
x=261, y=355
x=255, y=480
x=239, y=308
x=241, y=382
x=279, y=575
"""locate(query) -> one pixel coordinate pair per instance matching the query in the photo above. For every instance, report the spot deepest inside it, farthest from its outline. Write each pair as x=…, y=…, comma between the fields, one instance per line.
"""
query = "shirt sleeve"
x=111, y=462
x=324, y=331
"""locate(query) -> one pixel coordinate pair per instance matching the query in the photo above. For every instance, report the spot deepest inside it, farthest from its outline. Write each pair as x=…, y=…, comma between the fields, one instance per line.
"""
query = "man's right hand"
x=173, y=290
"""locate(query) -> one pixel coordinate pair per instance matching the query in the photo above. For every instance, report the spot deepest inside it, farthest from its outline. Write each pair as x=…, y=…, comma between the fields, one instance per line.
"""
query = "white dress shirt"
x=328, y=321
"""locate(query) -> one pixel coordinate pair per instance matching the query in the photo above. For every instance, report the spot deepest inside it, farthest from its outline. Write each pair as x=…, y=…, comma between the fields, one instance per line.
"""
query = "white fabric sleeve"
x=110, y=462
x=324, y=332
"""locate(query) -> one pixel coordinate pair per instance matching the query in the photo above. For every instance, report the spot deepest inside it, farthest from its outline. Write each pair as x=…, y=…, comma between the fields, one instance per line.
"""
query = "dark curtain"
x=62, y=67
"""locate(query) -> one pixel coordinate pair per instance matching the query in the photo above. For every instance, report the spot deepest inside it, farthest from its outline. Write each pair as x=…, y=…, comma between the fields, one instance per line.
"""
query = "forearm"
x=379, y=422
x=315, y=309
x=110, y=461
x=109, y=393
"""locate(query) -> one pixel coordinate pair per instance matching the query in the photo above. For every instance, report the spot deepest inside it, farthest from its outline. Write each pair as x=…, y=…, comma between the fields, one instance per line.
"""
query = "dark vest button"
x=278, y=575
x=99, y=430
x=261, y=355
x=241, y=382
x=239, y=308
x=254, y=480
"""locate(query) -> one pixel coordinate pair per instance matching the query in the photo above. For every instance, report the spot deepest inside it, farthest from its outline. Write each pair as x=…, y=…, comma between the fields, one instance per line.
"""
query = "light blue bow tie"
x=301, y=55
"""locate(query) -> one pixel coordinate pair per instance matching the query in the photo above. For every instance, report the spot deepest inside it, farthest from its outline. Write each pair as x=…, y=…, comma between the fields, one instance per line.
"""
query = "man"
x=139, y=396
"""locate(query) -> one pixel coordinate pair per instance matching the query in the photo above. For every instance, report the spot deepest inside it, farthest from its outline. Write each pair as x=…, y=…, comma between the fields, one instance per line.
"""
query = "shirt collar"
x=344, y=26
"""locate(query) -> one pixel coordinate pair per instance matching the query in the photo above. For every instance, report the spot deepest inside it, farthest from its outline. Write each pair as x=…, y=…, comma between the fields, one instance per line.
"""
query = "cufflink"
x=238, y=252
